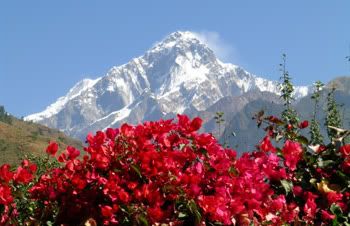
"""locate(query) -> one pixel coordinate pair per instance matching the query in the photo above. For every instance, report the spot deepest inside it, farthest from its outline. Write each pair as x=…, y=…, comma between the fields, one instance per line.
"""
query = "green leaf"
x=313, y=181
x=287, y=185
x=204, y=152
x=194, y=210
x=181, y=146
x=340, y=218
x=335, y=209
x=233, y=170
x=182, y=215
x=302, y=140
x=279, y=137
x=335, y=222
x=324, y=163
x=142, y=220
x=137, y=170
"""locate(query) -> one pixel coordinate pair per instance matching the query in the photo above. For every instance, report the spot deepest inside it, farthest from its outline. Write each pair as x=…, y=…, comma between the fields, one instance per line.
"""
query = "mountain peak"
x=182, y=35
x=185, y=40
x=179, y=74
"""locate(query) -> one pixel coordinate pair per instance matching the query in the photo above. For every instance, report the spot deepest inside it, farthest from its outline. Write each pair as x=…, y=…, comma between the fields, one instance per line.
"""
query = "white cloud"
x=223, y=50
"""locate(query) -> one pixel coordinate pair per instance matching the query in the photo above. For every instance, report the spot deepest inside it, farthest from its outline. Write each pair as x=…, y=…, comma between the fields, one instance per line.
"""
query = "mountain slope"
x=247, y=133
x=19, y=138
x=179, y=74
x=231, y=106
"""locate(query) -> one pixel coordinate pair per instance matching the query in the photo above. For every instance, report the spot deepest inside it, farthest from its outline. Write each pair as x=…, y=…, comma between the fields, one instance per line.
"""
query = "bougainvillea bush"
x=166, y=173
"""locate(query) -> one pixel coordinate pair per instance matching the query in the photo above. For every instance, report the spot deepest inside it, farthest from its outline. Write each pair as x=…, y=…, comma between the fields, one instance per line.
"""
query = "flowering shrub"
x=165, y=172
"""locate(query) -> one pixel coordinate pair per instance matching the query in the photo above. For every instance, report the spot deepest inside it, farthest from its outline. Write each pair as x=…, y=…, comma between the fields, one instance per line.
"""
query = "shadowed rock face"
x=178, y=75
x=247, y=133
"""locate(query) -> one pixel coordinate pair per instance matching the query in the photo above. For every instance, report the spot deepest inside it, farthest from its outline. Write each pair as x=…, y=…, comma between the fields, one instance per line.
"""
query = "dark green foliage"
x=286, y=86
x=25, y=205
x=219, y=120
x=289, y=115
x=4, y=116
x=333, y=115
x=315, y=131
x=287, y=90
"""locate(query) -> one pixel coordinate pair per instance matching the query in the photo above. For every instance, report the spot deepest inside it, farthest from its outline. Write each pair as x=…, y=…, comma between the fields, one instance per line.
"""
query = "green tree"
x=219, y=120
x=2, y=111
x=4, y=116
x=333, y=117
x=315, y=131
x=289, y=115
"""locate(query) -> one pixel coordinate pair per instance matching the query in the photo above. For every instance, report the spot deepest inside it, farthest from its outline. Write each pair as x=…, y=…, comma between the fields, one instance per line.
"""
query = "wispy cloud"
x=224, y=50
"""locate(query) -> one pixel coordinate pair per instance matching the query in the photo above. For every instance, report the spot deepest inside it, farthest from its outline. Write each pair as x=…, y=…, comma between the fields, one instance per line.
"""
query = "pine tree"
x=333, y=115
x=2, y=112
x=219, y=120
x=289, y=115
x=4, y=116
x=315, y=132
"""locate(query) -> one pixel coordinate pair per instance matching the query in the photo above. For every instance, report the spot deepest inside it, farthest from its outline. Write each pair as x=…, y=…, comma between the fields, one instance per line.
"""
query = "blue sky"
x=48, y=46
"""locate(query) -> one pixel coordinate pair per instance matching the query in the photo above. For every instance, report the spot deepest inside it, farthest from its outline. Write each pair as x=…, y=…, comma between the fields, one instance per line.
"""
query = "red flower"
x=111, y=133
x=123, y=196
x=297, y=190
x=274, y=119
x=31, y=166
x=78, y=182
x=326, y=215
x=303, y=124
x=90, y=139
x=333, y=197
x=346, y=165
x=310, y=206
x=100, y=137
x=199, y=167
x=62, y=157
x=5, y=195
x=126, y=130
x=183, y=120
x=266, y=145
x=22, y=175
x=292, y=152
x=321, y=148
x=160, y=170
x=279, y=203
x=102, y=161
x=72, y=152
x=107, y=211
x=5, y=173
x=187, y=125
x=196, y=124
x=216, y=208
x=345, y=150
x=156, y=214
x=52, y=148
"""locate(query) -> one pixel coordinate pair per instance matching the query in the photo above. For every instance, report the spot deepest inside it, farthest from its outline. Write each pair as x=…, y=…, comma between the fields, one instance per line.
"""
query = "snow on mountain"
x=179, y=74
x=60, y=103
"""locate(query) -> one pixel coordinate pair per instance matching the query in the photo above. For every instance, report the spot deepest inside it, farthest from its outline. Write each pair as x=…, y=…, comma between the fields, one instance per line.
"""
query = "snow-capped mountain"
x=179, y=74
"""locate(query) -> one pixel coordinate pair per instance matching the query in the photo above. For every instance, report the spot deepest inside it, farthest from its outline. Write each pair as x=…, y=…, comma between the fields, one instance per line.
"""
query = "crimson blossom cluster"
x=165, y=172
